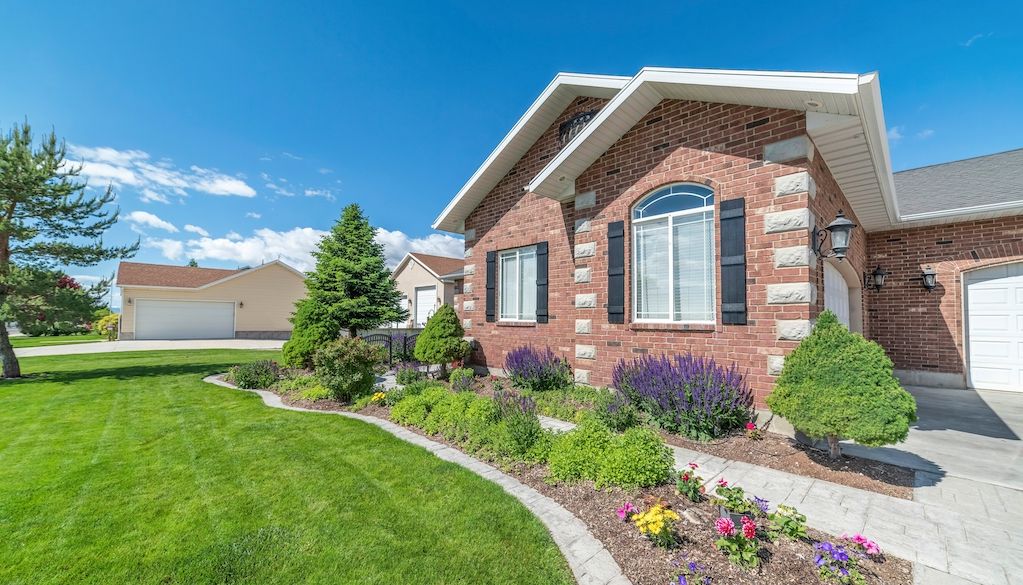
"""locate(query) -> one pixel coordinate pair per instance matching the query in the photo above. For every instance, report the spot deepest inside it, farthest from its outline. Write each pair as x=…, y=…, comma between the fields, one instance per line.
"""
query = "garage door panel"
x=990, y=324
x=994, y=301
x=993, y=377
x=981, y=297
x=165, y=319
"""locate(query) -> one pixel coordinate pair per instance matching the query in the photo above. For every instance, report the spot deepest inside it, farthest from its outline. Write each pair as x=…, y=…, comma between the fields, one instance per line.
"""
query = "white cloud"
x=970, y=41
x=325, y=171
x=895, y=133
x=234, y=236
x=171, y=249
x=196, y=230
x=397, y=244
x=325, y=193
x=279, y=190
x=253, y=215
x=144, y=218
x=291, y=156
x=925, y=134
x=157, y=181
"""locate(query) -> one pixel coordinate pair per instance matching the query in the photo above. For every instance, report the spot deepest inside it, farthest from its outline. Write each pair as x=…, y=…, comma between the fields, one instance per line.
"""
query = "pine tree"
x=441, y=340
x=46, y=220
x=350, y=288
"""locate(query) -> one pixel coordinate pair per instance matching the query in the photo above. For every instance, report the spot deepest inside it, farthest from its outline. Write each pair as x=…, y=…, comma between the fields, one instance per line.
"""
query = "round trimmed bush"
x=347, y=367
x=636, y=458
x=441, y=340
x=577, y=454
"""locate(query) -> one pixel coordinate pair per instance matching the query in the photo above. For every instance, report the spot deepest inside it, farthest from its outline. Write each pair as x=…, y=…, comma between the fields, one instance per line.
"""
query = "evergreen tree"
x=46, y=220
x=192, y=263
x=441, y=340
x=350, y=288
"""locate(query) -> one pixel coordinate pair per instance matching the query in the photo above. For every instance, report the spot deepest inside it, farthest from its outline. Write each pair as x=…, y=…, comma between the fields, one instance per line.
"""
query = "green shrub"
x=518, y=428
x=441, y=340
x=616, y=412
x=480, y=416
x=838, y=385
x=413, y=410
x=317, y=392
x=444, y=416
x=408, y=372
x=347, y=367
x=462, y=379
x=636, y=458
x=568, y=403
x=307, y=335
x=289, y=384
x=396, y=395
x=577, y=454
x=261, y=374
x=540, y=452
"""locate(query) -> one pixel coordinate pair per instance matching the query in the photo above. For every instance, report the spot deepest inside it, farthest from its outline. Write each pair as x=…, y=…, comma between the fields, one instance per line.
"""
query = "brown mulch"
x=786, y=454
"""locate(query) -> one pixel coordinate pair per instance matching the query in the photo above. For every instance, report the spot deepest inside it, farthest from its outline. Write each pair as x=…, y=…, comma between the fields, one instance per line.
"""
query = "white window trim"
x=500, y=278
x=671, y=271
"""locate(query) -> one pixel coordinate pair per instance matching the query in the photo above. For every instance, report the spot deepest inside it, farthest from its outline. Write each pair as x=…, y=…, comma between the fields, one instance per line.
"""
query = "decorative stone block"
x=470, y=234
x=786, y=221
x=792, y=257
x=586, y=352
x=582, y=225
x=774, y=364
x=792, y=329
x=584, y=200
x=469, y=306
x=584, y=325
x=789, y=293
x=467, y=288
x=787, y=150
x=795, y=183
x=586, y=250
x=582, y=376
x=468, y=252
x=466, y=323
x=586, y=301
x=583, y=275
x=469, y=269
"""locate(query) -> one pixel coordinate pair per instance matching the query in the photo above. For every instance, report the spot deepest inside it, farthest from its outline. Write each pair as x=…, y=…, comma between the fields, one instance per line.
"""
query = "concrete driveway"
x=968, y=434
x=148, y=345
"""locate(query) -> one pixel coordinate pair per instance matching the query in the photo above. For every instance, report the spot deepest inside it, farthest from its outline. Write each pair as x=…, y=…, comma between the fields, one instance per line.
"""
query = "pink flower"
x=725, y=526
x=722, y=482
x=750, y=426
x=693, y=465
x=626, y=511
x=749, y=528
x=685, y=477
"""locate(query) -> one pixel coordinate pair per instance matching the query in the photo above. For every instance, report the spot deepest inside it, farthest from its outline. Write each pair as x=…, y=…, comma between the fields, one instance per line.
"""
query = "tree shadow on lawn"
x=126, y=372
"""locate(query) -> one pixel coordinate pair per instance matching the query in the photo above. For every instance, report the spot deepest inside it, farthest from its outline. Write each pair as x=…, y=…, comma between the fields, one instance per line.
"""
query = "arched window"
x=673, y=255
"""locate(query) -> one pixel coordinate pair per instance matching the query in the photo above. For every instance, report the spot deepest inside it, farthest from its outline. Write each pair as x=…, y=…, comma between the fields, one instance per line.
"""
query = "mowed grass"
x=20, y=341
x=127, y=468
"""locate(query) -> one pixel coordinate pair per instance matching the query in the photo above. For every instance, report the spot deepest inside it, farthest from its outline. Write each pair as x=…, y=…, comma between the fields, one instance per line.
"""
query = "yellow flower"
x=377, y=397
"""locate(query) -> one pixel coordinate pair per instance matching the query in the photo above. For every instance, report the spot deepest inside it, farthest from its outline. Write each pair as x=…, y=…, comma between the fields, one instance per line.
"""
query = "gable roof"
x=564, y=88
x=983, y=186
x=442, y=267
x=168, y=276
x=844, y=118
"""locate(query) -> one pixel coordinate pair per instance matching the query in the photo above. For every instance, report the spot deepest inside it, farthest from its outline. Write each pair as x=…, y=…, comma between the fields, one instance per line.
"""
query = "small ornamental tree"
x=838, y=385
x=441, y=341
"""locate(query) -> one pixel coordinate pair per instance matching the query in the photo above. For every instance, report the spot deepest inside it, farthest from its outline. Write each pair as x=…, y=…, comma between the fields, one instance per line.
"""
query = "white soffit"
x=538, y=118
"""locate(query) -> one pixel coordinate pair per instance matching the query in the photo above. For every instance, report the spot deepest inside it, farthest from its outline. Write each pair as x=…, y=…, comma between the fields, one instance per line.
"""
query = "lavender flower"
x=537, y=370
x=761, y=504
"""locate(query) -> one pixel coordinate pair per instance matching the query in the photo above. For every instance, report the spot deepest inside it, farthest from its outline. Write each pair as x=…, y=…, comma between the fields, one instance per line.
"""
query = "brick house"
x=675, y=211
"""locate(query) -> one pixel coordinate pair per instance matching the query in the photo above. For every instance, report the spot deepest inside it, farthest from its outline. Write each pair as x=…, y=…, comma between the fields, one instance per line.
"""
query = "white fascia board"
x=444, y=221
x=868, y=102
x=963, y=213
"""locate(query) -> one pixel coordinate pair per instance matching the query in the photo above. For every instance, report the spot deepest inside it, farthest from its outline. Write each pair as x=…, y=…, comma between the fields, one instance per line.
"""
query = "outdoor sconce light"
x=930, y=278
x=241, y=304
x=840, y=232
x=875, y=279
x=129, y=300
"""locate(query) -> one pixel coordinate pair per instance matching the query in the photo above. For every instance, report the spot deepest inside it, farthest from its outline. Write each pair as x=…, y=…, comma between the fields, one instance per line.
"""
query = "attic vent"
x=570, y=128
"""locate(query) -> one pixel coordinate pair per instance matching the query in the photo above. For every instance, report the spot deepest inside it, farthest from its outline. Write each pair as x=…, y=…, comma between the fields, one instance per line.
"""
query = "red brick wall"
x=923, y=331
x=714, y=144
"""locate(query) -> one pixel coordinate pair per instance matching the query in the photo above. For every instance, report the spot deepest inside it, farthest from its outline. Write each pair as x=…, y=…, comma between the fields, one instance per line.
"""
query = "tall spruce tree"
x=350, y=288
x=46, y=220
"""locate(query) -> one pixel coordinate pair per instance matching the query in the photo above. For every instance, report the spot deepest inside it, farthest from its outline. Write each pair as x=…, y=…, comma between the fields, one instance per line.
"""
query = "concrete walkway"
x=952, y=539
x=154, y=345
x=590, y=562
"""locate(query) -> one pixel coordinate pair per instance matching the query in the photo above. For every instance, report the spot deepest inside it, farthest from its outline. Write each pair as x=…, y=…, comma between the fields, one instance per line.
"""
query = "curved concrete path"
x=148, y=345
x=590, y=562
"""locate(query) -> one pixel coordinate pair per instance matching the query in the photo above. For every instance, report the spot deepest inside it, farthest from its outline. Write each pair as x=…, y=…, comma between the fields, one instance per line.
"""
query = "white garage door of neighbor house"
x=994, y=327
x=836, y=293
x=426, y=304
x=183, y=319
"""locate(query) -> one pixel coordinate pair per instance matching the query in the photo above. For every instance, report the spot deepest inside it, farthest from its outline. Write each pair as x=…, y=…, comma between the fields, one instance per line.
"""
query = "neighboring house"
x=425, y=282
x=182, y=302
x=674, y=212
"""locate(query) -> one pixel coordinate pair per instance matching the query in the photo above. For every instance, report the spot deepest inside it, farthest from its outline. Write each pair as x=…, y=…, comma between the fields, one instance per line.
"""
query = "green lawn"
x=26, y=341
x=127, y=468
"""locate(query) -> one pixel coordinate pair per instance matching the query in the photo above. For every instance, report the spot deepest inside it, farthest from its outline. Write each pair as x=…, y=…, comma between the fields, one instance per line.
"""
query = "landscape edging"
x=589, y=561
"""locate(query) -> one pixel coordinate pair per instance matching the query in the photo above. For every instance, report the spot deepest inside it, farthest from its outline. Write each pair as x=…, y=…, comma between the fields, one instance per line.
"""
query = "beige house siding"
x=268, y=294
x=414, y=275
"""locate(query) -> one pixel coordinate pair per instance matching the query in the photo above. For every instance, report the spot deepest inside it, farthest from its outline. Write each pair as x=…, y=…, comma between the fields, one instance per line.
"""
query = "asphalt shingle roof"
x=442, y=265
x=984, y=180
x=141, y=274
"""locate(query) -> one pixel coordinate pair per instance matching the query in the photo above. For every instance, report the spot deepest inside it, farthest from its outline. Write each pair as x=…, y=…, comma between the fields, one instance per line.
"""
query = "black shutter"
x=491, y=287
x=733, y=262
x=541, y=282
x=616, y=272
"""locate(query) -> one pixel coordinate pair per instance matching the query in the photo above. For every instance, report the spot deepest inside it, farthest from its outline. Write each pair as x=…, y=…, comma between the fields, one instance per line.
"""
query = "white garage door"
x=836, y=293
x=183, y=319
x=426, y=304
x=994, y=322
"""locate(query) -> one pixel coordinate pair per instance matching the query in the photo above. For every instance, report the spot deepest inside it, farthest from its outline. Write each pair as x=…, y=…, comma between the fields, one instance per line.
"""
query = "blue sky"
x=253, y=123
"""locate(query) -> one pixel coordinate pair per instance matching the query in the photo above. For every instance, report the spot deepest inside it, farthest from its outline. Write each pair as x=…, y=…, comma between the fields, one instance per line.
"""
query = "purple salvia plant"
x=537, y=370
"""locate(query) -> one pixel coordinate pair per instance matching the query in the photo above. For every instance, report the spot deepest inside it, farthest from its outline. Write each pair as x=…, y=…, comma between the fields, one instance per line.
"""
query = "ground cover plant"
x=177, y=481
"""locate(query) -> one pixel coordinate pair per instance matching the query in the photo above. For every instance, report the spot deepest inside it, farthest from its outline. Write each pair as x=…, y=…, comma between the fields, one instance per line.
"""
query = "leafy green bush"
x=408, y=372
x=480, y=416
x=462, y=379
x=519, y=428
x=838, y=385
x=299, y=350
x=616, y=412
x=289, y=384
x=396, y=395
x=577, y=454
x=317, y=392
x=413, y=410
x=445, y=416
x=261, y=374
x=441, y=340
x=347, y=367
x=636, y=458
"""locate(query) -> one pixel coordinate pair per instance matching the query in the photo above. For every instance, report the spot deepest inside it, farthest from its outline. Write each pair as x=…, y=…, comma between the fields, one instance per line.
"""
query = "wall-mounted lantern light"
x=929, y=277
x=129, y=300
x=875, y=279
x=241, y=304
x=840, y=232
